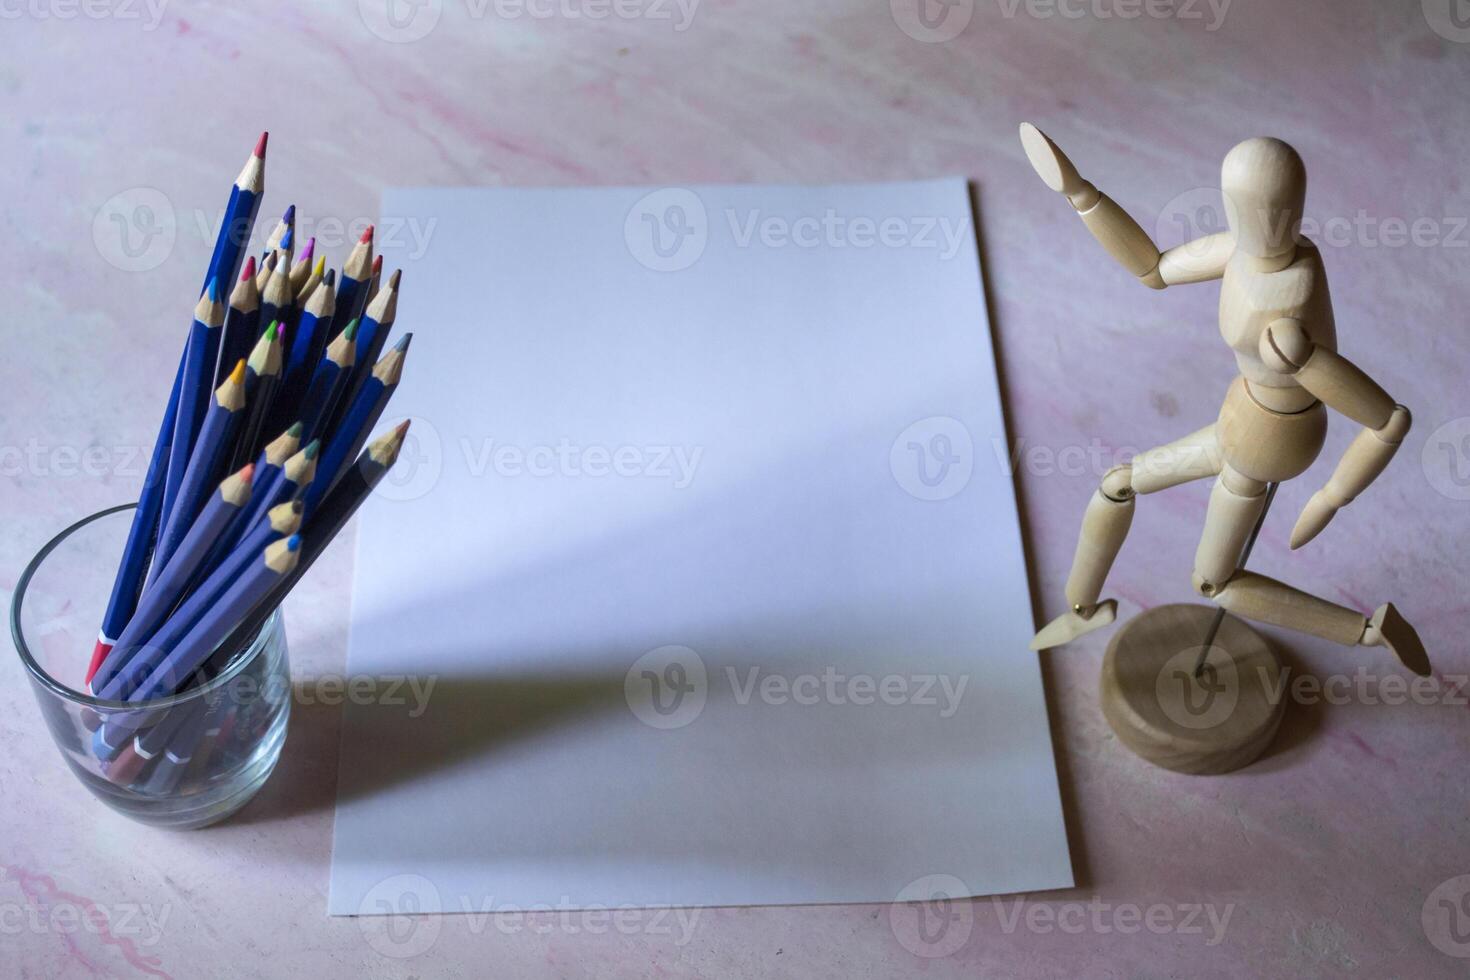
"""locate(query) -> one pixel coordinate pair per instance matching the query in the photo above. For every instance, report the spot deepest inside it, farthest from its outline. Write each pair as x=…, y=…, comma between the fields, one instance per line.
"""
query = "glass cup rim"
x=56, y=687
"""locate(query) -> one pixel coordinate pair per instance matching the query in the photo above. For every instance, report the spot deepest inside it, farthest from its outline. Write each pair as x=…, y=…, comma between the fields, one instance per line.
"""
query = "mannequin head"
x=1265, y=187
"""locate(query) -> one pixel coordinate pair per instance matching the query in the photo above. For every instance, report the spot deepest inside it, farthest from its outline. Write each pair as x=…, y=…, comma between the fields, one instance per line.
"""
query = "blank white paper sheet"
x=705, y=539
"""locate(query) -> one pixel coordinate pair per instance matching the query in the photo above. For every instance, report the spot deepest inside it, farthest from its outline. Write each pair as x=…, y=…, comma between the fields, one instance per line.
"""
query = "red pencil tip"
x=401, y=428
x=249, y=272
x=260, y=146
x=367, y=236
x=247, y=472
x=377, y=265
x=99, y=654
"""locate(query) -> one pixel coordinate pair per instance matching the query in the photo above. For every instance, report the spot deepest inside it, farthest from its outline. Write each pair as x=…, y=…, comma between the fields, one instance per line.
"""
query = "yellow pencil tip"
x=237, y=376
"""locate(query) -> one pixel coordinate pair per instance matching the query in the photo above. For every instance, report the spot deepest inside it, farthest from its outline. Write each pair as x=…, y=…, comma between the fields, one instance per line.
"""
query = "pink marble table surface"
x=1343, y=853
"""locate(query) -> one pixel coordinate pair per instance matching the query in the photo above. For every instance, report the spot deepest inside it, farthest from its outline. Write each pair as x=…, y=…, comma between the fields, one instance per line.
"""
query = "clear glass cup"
x=194, y=758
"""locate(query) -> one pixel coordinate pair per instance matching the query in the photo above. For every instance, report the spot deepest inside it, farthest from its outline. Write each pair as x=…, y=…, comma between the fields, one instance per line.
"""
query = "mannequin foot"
x=1072, y=624
x=1389, y=629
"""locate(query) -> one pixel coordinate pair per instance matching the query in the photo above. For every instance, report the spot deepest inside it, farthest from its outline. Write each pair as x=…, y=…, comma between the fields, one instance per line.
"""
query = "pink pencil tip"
x=367, y=236
x=377, y=265
x=249, y=272
x=247, y=472
x=260, y=146
x=306, y=252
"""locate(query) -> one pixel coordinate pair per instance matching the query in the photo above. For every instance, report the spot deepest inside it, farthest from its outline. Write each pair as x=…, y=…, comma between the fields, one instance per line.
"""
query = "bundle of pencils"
x=258, y=463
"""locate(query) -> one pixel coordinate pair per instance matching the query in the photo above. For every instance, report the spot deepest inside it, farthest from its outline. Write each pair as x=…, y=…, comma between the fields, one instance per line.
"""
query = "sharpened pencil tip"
x=401, y=429
x=249, y=272
x=247, y=472
x=288, y=237
x=260, y=145
x=306, y=252
x=237, y=376
x=367, y=236
x=298, y=505
x=350, y=331
x=403, y=342
x=294, y=431
x=394, y=279
x=331, y=277
x=212, y=290
x=293, y=543
x=272, y=331
x=312, y=448
x=377, y=265
x=321, y=266
x=290, y=216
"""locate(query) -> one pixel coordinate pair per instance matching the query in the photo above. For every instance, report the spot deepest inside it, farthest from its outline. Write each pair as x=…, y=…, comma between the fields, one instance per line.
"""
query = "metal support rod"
x=1250, y=542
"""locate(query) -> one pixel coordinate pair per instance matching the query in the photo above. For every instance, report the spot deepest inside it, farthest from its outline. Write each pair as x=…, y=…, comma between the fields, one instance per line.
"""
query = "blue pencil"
x=356, y=272
x=129, y=581
x=372, y=335
x=277, y=301
x=211, y=453
x=262, y=381
x=310, y=340
x=357, y=423
x=284, y=225
x=233, y=606
x=267, y=468
x=239, y=221
x=332, y=374
x=164, y=594
x=171, y=765
x=242, y=322
x=194, y=390
x=283, y=520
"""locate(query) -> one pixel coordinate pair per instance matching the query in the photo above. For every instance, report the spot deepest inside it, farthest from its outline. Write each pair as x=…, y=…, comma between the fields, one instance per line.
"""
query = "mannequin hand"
x=1053, y=167
x=1315, y=515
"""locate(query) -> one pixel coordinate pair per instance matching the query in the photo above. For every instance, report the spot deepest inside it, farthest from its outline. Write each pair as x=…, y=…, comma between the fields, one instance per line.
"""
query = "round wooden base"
x=1217, y=722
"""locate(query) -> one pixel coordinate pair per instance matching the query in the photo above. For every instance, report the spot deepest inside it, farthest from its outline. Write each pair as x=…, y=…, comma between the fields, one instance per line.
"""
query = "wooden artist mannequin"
x=1276, y=316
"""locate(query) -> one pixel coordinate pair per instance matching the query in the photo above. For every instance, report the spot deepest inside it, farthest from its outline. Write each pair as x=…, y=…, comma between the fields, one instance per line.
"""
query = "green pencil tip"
x=272, y=331
x=351, y=332
x=313, y=448
x=294, y=431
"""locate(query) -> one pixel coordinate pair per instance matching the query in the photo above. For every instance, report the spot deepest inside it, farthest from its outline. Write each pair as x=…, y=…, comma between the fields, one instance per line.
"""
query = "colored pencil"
x=262, y=375
x=169, y=770
x=239, y=220
x=242, y=321
x=377, y=321
x=356, y=272
x=211, y=454
x=310, y=339
x=328, y=381
x=331, y=516
x=277, y=300
x=301, y=270
x=266, y=270
x=194, y=390
x=357, y=423
x=129, y=581
x=165, y=592
x=247, y=591
x=285, y=518
x=285, y=224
